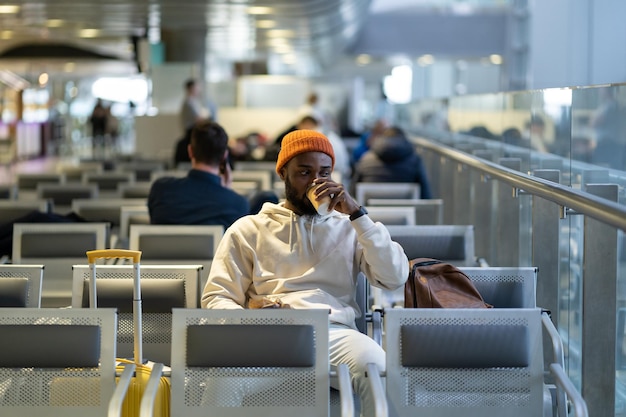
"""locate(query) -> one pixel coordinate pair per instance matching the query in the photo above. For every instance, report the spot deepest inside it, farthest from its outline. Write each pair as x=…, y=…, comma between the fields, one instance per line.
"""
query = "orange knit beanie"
x=301, y=141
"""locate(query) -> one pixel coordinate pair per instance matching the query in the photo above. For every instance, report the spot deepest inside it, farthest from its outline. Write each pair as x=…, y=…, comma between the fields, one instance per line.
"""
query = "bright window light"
x=121, y=90
x=399, y=84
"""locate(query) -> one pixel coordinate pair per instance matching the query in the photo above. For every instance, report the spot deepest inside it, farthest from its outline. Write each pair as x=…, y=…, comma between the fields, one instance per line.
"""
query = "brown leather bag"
x=436, y=284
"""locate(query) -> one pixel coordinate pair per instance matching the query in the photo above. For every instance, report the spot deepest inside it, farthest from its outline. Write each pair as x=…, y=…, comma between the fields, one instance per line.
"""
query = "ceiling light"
x=265, y=24
x=282, y=49
x=43, y=78
x=280, y=33
x=259, y=10
x=54, y=23
x=289, y=59
x=363, y=59
x=495, y=59
x=425, y=60
x=9, y=9
x=277, y=41
x=6, y=34
x=88, y=33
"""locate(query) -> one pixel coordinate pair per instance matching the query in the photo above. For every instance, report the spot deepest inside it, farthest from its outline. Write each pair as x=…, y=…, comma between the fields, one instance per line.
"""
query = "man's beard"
x=301, y=203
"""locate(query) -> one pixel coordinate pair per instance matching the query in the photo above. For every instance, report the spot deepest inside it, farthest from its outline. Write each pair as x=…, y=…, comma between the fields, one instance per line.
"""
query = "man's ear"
x=281, y=174
x=190, y=152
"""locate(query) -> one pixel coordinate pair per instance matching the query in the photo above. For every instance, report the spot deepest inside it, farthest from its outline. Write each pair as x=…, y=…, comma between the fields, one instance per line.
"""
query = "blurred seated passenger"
x=307, y=122
x=535, y=134
x=392, y=158
x=248, y=147
x=204, y=196
x=480, y=132
x=512, y=136
x=181, y=154
x=367, y=138
x=35, y=216
x=609, y=131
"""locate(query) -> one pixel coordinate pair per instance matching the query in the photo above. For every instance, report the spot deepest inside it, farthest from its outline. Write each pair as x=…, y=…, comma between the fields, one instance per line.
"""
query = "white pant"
x=356, y=350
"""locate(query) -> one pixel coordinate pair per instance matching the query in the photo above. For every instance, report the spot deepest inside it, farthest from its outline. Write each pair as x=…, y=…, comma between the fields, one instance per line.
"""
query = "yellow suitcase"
x=137, y=386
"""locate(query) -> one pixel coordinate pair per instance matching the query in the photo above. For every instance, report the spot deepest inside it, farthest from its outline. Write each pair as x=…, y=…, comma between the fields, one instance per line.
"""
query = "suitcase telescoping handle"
x=92, y=255
x=135, y=255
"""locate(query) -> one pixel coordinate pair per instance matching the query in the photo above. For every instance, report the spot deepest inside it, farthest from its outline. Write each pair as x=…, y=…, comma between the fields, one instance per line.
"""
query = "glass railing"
x=541, y=175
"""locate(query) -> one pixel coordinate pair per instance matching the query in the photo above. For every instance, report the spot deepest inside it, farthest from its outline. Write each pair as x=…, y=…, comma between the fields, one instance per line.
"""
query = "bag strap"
x=426, y=262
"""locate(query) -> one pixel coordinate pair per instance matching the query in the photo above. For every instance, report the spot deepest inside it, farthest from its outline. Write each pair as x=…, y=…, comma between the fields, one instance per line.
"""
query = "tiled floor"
x=71, y=156
x=43, y=164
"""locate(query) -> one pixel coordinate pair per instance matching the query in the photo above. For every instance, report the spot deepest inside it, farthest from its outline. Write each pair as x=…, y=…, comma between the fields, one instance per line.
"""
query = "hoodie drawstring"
x=311, y=234
x=291, y=230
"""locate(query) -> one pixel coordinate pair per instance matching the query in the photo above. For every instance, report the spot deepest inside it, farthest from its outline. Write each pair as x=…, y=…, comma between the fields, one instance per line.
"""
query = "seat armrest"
x=565, y=383
x=148, y=398
x=558, y=357
x=378, y=391
x=345, y=390
x=121, y=389
x=377, y=325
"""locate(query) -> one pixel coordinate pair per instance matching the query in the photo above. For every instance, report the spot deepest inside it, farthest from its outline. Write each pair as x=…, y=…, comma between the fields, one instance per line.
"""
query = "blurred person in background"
x=204, y=196
x=392, y=158
x=193, y=109
x=609, y=131
x=98, y=120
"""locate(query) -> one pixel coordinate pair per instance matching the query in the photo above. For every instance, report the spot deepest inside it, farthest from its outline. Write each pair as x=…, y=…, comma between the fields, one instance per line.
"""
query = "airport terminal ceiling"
x=305, y=37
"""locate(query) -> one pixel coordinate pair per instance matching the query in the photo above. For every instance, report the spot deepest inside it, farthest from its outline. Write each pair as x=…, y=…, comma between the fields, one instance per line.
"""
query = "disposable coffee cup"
x=320, y=205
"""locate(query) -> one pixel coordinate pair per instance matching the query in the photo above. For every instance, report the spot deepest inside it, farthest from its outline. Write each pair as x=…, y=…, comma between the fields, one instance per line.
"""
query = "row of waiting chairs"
x=178, y=286
x=499, y=368
x=60, y=245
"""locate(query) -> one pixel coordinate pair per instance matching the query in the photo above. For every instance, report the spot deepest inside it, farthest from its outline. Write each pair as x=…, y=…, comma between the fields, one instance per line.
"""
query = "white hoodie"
x=303, y=261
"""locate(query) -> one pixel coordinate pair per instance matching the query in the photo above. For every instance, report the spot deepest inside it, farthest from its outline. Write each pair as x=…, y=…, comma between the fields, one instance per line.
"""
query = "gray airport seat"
x=176, y=244
x=131, y=215
x=427, y=211
x=450, y=243
x=176, y=173
x=74, y=172
x=142, y=169
x=57, y=246
x=263, y=178
x=501, y=287
x=396, y=216
x=8, y=191
x=505, y=287
x=11, y=210
x=216, y=372
x=60, y=363
x=30, y=180
x=105, y=210
x=108, y=181
x=245, y=188
x=163, y=287
x=471, y=362
x=269, y=166
x=364, y=191
x=62, y=195
x=136, y=190
x=453, y=244
x=20, y=285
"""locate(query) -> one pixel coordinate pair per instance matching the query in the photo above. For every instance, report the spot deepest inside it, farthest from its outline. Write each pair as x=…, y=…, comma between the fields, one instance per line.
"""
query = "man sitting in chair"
x=204, y=196
x=289, y=255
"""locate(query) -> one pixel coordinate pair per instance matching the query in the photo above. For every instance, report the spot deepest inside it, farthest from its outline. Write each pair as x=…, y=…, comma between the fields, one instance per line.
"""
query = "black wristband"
x=360, y=212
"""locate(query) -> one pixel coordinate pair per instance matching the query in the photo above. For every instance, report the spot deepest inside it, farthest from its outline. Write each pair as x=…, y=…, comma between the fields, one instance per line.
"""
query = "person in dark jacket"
x=204, y=196
x=392, y=158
